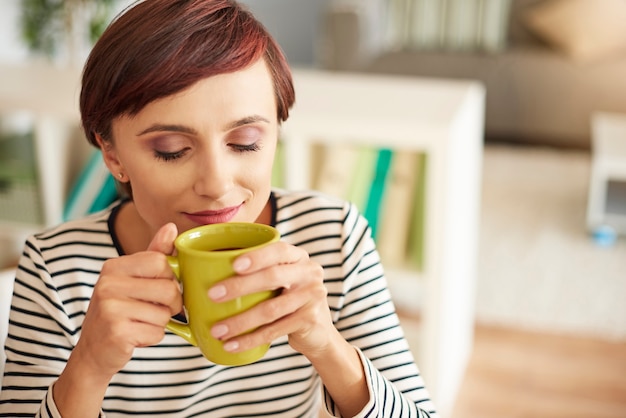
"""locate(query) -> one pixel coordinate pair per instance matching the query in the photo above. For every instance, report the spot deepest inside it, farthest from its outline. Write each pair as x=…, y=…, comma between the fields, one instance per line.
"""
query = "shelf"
x=12, y=237
x=407, y=289
x=444, y=119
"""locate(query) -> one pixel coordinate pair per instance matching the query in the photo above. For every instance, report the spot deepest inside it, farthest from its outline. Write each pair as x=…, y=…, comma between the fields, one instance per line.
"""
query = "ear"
x=109, y=154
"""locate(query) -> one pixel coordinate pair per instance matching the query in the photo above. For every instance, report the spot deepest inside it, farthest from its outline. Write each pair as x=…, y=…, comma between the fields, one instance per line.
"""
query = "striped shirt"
x=55, y=281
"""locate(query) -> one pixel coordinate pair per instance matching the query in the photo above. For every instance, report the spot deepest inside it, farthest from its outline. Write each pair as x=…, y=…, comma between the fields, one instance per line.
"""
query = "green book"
x=278, y=169
x=415, y=246
x=377, y=189
x=363, y=177
x=336, y=169
x=396, y=213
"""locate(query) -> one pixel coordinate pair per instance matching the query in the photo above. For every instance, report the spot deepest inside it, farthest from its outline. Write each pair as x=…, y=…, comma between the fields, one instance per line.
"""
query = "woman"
x=185, y=99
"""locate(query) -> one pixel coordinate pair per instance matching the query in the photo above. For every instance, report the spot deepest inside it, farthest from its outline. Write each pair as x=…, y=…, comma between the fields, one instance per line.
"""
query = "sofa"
x=538, y=91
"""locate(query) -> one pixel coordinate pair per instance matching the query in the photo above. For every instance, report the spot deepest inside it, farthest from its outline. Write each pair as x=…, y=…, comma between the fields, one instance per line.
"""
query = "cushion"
x=94, y=189
x=585, y=30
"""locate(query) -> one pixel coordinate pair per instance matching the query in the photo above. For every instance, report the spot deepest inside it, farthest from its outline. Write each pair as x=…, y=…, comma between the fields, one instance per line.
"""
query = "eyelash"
x=246, y=148
x=171, y=156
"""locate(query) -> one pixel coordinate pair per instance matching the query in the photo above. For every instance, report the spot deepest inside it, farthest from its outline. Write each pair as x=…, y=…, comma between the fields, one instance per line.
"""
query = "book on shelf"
x=377, y=189
x=480, y=23
x=425, y=24
x=443, y=21
x=363, y=177
x=336, y=169
x=278, y=168
x=388, y=189
x=461, y=29
x=416, y=239
x=345, y=171
x=398, y=208
x=495, y=23
x=398, y=22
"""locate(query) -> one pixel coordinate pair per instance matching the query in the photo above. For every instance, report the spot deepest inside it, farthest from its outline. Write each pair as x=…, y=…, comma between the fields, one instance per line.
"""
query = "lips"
x=214, y=216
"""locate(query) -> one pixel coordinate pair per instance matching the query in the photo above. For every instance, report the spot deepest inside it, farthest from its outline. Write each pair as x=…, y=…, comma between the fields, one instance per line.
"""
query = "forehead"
x=219, y=98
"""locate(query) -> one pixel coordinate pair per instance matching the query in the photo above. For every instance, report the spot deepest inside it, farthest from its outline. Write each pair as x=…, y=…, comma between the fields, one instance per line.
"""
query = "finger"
x=157, y=290
x=122, y=324
x=134, y=311
x=308, y=323
x=163, y=240
x=139, y=265
x=276, y=277
x=264, y=313
x=276, y=253
x=312, y=298
x=248, y=263
x=140, y=331
x=141, y=334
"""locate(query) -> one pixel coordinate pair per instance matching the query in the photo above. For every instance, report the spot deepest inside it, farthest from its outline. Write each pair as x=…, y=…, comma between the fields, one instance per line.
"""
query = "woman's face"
x=203, y=155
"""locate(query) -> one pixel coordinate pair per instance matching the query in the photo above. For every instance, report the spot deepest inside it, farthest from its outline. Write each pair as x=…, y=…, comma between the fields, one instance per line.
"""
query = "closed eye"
x=245, y=148
x=170, y=156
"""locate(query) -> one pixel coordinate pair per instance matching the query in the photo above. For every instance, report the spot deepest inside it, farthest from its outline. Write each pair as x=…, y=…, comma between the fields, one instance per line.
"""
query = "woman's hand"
x=132, y=302
x=300, y=310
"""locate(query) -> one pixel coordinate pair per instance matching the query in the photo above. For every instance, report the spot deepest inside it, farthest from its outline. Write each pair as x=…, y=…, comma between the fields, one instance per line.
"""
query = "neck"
x=131, y=230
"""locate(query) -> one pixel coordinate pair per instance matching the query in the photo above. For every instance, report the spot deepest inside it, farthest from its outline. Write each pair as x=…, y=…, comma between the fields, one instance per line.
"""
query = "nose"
x=213, y=176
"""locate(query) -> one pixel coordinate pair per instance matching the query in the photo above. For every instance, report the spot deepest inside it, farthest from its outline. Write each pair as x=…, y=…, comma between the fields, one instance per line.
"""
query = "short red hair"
x=160, y=47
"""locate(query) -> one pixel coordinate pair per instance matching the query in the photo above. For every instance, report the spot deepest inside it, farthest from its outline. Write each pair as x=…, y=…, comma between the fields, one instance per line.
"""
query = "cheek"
x=260, y=174
x=254, y=180
x=155, y=200
x=152, y=189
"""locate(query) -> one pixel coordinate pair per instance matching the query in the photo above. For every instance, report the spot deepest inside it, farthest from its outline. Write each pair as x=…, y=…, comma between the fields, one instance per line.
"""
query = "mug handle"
x=178, y=328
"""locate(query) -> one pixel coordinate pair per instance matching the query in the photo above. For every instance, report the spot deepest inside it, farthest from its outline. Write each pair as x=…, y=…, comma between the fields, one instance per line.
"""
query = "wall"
x=11, y=47
x=294, y=24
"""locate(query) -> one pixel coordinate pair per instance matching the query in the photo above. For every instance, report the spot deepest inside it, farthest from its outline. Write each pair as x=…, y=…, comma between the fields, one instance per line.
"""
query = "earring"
x=120, y=175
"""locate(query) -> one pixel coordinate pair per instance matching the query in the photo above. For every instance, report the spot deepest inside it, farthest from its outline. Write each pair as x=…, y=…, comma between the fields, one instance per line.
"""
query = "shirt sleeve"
x=40, y=339
x=385, y=401
x=366, y=317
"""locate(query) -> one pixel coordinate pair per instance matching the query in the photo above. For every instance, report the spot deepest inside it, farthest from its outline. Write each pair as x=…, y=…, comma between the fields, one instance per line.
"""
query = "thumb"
x=163, y=240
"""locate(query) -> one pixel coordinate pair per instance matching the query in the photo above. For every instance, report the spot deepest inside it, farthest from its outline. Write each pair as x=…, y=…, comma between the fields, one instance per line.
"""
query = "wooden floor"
x=518, y=374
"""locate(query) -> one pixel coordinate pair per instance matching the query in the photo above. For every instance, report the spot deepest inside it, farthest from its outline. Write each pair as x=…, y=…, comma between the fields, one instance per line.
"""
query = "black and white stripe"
x=60, y=267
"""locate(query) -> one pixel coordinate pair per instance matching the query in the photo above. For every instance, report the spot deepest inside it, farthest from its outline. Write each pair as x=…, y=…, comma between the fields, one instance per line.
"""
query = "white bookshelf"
x=49, y=95
x=442, y=118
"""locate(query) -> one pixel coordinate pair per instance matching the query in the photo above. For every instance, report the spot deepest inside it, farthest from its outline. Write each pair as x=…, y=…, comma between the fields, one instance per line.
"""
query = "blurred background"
x=550, y=317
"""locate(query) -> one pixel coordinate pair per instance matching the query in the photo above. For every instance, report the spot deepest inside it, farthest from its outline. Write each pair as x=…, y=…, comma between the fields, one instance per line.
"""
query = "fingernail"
x=241, y=264
x=217, y=292
x=219, y=331
x=231, y=346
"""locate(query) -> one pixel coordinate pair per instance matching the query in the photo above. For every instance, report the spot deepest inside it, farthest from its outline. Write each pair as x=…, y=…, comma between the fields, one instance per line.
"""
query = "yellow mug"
x=204, y=257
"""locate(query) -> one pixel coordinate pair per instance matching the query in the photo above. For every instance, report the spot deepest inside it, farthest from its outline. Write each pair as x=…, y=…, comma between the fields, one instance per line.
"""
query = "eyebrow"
x=159, y=127
x=247, y=121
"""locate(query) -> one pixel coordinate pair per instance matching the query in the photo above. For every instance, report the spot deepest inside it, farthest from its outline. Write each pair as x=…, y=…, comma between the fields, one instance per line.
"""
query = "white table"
x=606, y=204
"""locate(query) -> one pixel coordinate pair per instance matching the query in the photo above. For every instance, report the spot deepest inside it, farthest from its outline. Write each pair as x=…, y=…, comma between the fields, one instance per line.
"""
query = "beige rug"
x=539, y=269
